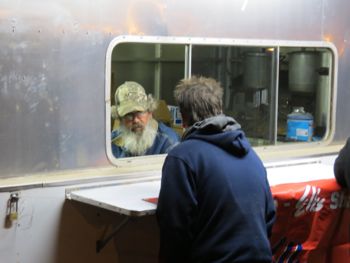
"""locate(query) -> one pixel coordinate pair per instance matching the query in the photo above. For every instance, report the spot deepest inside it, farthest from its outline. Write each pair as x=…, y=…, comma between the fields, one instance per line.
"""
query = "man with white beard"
x=138, y=133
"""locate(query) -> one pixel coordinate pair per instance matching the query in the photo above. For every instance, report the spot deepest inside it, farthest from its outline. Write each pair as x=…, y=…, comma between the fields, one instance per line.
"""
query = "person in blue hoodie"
x=215, y=203
x=342, y=166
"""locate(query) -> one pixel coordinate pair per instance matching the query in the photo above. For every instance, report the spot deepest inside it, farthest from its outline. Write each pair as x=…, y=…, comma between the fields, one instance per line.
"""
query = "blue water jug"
x=300, y=125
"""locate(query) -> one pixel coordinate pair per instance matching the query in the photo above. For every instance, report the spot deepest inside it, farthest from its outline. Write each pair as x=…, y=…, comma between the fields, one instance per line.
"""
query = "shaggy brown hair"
x=199, y=98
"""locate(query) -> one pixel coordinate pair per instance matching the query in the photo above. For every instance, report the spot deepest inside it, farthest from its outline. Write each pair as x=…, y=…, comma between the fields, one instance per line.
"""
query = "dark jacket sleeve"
x=342, y=166
x=176, y=204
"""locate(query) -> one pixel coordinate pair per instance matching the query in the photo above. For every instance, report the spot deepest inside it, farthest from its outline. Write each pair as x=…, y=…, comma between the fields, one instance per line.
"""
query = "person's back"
x=215, y=203
x=227, y=199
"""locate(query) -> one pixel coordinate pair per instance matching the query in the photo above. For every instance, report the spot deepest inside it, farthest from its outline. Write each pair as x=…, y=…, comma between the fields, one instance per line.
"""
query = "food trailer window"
x=280, y=92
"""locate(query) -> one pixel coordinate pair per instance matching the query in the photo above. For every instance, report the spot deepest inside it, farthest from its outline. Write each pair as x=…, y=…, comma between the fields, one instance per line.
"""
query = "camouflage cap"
x=129, y=97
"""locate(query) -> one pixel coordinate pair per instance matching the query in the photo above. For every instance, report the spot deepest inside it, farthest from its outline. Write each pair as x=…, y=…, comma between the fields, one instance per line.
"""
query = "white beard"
x=137, y=144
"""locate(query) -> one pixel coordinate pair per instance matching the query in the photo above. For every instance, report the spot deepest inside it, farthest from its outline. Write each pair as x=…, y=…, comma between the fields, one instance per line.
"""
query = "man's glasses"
x=136, y=114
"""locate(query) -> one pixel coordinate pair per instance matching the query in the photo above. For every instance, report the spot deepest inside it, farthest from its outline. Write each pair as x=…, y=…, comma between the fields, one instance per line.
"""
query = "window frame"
x=155, y=161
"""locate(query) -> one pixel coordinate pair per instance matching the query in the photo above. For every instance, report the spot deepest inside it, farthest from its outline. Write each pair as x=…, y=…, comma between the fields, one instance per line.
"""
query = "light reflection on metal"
x=145, y=17
x=338, y=42
x=328, y=38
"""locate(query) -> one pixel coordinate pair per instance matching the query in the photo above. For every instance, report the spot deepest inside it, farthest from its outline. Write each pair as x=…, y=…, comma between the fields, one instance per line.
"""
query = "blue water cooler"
x=300, y=125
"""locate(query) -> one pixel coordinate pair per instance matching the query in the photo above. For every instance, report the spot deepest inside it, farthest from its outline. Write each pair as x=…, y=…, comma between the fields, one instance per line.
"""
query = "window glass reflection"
x=304, y=94
x=279, y=95
x=143, y=79
x=246, y=76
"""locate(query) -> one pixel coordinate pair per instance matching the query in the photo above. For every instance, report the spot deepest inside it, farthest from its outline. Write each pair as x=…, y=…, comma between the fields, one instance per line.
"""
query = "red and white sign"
x=313, y=222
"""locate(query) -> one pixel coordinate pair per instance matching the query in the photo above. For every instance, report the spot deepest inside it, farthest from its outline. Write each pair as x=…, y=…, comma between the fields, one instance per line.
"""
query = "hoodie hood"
x=221, y=130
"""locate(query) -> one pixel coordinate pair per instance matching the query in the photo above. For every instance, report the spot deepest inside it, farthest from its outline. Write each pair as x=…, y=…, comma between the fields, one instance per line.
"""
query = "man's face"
x=136, y=121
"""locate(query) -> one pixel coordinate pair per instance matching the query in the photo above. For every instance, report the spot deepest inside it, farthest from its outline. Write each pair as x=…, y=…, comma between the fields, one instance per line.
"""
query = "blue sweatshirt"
x=215, y=203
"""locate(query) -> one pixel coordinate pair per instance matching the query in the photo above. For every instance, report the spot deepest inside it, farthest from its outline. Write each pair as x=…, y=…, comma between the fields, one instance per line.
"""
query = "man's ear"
x=185, y=119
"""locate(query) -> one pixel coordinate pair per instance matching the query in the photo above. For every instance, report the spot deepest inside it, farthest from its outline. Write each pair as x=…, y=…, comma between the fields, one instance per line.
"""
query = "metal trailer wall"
x=52, y=64
x=49, y=230
x=52, y=109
